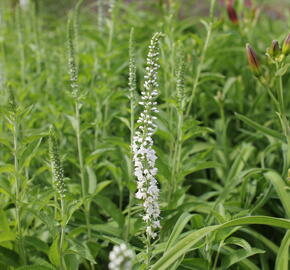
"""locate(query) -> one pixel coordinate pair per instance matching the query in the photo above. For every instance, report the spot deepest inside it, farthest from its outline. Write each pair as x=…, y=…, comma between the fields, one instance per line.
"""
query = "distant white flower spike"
x=144, y=155
x=121, y=258
x=24, y=4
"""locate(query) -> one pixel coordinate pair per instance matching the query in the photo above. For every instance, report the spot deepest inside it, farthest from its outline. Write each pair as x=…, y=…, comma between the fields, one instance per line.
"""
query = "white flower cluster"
x=72, y=65
x=144, y=156
x=121, y=258
x=24, y=4
x=57, y=170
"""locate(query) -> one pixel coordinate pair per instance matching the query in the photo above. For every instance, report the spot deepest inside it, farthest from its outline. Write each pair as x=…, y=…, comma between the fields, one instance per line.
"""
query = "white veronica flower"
x=121, y=258
x=144, y=155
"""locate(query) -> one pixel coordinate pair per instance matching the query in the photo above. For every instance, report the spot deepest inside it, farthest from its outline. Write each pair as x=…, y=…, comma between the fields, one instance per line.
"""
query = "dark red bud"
x=232, y=13
x=274, y=51
x=252, y=59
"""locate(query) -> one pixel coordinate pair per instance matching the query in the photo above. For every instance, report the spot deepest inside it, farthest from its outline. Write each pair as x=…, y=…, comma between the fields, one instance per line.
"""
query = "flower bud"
x=286, y=46
x=253, y=59
x=248, y=3
x=232, y=13
x=274, y=50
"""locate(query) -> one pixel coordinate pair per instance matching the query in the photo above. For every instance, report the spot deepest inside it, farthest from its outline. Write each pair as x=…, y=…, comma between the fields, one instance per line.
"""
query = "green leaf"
x=280, y=188
x=73, y=121
x=53, y=253
x=195, y=264
x=36, y=243
x=81, y=250
x=9, y=257
x=102, y=185
x=263, y=129
x=5, y=233
x=238, y=242
x=34, y=267
x=283, y=253
x=177, y=230
x=185, y=244
x=92, y=180
x=239, y=255
x=110, y=208
x=189, y=168
x=280, y=72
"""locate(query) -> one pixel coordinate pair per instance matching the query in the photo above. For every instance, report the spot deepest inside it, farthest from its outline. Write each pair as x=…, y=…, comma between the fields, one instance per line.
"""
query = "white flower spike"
x=144, y=155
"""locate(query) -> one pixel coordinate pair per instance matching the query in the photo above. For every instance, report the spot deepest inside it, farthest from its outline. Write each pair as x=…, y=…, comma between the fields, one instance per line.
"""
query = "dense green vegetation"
x=72, y=76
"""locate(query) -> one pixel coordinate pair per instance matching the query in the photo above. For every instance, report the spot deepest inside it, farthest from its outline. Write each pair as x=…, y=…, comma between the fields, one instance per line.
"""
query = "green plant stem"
x=217, y=256
x=284, y=121
x=62, y=235
x=18, y=190
x=202, y=58
x=148, y=252
x=82, y=174
x=132, y=131
x=81, y=164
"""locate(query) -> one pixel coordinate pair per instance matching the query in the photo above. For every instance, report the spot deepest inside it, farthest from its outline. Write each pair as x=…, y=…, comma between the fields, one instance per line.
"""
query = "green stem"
x=62, y=235
x=148, y=252
x=132, y=131
x=18, y=190
x=217, y=256
x=202, y=58
x=81, y=164
x=284, y=123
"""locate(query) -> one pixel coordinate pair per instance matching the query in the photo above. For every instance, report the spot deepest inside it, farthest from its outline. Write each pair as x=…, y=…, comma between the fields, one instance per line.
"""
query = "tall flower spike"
x=132, y=66
x=56, y=167
x=180, y=84
x=253, y=59
x=73, y=70
x=143, y=154
x=121, y=258
x=112, y=4
x=101, y=16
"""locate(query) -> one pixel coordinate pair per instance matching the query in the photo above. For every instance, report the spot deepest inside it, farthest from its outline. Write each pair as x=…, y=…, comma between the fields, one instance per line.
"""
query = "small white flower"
x=121, y=258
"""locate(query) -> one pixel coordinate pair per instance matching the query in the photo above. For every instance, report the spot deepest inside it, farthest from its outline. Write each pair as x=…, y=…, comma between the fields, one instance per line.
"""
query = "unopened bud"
x=274, y=50
x=286, y=46
x=248, y=3
x=232, y=13
x=253, y=59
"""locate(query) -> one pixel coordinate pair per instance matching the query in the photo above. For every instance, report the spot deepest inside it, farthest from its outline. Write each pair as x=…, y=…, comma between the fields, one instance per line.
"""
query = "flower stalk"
x=77, y=96
x=58, y=181
x=132, y=97
x=14, y=121
x=144, y=155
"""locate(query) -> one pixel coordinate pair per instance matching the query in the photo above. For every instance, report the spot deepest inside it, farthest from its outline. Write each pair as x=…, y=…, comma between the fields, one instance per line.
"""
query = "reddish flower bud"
x=274, y=50
x=248, y=3
x=253, y=59
x=286, y=45
x=232, y=13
